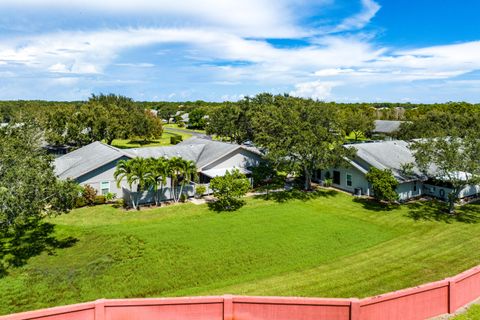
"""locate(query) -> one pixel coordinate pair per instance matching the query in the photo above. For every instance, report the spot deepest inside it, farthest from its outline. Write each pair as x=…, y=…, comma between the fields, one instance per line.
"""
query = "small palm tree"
x=160, y=171
x=124, y=170
x=136, y=171
x=176, y=167
x=189, y=173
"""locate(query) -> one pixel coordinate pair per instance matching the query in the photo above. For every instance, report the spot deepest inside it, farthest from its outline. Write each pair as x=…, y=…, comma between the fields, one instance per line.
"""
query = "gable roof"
x=387, y=126
x=183, y=151
x=92, y=156
x=83, y=160
x=385, y=155
x=213, y=150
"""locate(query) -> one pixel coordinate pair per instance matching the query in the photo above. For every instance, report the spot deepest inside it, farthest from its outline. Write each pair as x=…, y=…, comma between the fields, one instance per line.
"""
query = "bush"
x=383, y=184
x=89, y=194
x=327, y=182
x=181, y=124
x=110, y=196
x=175, y=139
x=200, y=190
x=80, y=202
x=229, y=190
x=100, y=200
x=183, y=197
x=120, y=203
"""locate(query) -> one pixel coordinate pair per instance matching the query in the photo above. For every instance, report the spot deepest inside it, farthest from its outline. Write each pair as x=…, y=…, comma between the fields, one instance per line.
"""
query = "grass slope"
x=330, y=245
x=473, y=313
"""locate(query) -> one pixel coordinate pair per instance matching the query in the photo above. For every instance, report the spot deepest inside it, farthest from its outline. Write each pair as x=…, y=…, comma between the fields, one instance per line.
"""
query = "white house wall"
x=358, y=180
x=407, y=190
x=239, y=158
x=103, y=174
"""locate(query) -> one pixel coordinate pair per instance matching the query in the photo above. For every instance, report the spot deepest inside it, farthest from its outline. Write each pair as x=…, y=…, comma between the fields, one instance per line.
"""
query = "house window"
x=336, y=177
x=415, y=186
x=105, y=187
x=349, y=180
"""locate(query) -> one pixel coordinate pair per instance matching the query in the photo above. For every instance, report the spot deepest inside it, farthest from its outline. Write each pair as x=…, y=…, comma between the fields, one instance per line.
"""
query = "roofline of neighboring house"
x=99, y=166
x=218, y=158
x=122, y=154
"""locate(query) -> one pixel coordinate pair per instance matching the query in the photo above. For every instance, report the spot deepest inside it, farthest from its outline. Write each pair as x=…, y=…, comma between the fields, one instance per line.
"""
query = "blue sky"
x=332, y=50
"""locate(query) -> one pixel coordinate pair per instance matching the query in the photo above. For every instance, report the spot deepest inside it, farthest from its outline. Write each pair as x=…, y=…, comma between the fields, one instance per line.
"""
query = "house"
x=95, y=163
x=385, y=129
x=391, y=155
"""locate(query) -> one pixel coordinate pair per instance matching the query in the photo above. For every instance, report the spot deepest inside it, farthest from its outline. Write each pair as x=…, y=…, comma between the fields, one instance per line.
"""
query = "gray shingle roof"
x=96, y=154
x=212, y=151
x=386, y=126
x=83, y=160
x=385, y=155
x=185, y=152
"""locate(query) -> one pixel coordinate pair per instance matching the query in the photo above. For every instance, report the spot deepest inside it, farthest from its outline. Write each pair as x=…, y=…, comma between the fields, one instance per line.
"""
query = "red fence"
x=421, y=302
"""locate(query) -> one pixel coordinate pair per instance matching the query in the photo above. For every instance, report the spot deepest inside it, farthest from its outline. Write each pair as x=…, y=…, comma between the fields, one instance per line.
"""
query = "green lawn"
x=329, y=245
x=163, y=141
x=473, y=313
x=174, y=125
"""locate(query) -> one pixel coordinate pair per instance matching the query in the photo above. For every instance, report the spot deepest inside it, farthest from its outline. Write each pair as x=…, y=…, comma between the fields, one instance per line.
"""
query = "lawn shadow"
x=31, y=242
x=434, y=210
x=372, y=205
x=295, y=194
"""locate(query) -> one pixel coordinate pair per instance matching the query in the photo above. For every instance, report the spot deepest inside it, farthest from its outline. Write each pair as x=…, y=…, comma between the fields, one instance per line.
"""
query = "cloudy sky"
x=175, y=50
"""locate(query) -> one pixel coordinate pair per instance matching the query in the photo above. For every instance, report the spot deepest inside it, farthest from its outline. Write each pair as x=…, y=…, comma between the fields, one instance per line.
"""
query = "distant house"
x=95, y=163
x=391, y=155
x=385, y=129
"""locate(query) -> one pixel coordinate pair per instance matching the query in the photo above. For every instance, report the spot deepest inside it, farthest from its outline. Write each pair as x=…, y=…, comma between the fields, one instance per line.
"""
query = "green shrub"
x=89, y=194
x=181, y=124
x=100, y=200
x=200, y=190
x=183, y=197
x=110, y=196
x=229, y=190
x=119, y=203
x=80, y=202
x=327, y=182
x=175, y=139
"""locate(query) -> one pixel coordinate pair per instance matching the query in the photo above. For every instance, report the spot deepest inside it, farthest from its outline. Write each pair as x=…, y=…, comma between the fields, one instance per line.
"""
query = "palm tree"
x=176, y=168
x=136, y=171
x=159, y=169
x=124, y=170
x=189, y=173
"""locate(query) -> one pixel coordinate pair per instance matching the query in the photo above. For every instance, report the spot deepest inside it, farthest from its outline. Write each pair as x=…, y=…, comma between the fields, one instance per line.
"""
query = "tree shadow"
x=33, y=239
x=373, y=205
x=226, y=206
x=434, y=210
x=295, y=194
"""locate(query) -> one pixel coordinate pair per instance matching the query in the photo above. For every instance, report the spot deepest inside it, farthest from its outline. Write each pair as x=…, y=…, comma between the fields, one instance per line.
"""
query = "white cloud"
x=233, y=34
x=259, y=18
x=361, y=19
x=317, y=90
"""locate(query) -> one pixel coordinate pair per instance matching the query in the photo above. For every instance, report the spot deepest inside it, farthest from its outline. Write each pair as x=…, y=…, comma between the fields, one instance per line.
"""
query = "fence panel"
x=418, y=303
x=466, y=287
x=276, y=308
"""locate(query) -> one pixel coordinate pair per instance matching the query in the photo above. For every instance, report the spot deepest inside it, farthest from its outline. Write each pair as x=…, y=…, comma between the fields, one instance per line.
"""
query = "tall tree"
x=454, y=160
x=300, y=135
x=29, y=192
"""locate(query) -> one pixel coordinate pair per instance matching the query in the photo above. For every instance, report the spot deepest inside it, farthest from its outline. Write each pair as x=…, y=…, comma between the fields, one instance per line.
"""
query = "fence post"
x=227, y=307
x=354, y=309
x=100, y=309
x=452, y=301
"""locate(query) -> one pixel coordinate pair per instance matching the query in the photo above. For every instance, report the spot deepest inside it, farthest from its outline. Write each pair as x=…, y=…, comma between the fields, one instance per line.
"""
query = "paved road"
x=193, y=133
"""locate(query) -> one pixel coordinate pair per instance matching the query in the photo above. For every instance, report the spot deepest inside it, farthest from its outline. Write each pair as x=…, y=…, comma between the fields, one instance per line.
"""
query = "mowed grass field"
x=163, y=141
x=325, y=245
